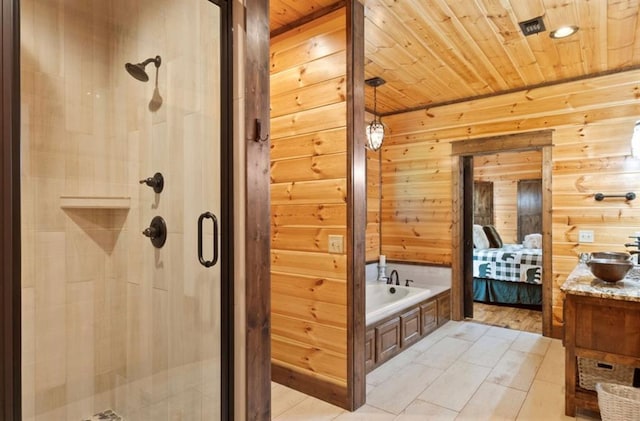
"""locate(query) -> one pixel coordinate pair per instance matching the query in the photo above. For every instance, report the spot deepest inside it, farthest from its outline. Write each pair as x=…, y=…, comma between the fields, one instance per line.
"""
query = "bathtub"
x=383, y=300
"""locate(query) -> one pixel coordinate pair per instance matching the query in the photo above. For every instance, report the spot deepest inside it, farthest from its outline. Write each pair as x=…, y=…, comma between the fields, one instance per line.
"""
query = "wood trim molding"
x=541, y=140
x=10, y=336
x=467, y=234
x=356, y=207
x=495, y=144
x=457, y=213
x=547, y=244
x=313, y=386
x=258, y=214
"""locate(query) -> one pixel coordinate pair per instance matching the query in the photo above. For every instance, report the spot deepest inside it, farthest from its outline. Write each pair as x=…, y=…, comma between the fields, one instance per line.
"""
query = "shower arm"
x=156, y=61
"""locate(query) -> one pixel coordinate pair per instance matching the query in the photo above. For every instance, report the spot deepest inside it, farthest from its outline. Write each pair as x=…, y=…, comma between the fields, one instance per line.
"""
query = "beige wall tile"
x=81, y=340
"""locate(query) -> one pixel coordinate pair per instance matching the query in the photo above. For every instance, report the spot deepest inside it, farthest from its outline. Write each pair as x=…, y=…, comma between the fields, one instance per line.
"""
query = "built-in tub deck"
x=398, y=316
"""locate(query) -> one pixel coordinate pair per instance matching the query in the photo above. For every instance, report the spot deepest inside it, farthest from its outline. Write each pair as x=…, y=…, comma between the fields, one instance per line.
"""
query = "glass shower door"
x=121, y=108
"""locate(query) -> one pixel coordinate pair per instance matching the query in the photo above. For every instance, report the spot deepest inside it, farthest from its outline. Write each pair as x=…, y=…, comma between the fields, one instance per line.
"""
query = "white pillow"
x=532, y=241
x=480, y=240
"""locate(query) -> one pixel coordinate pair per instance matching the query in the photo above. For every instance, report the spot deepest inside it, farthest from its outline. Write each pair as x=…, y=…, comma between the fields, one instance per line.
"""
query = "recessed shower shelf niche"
x=95, y=202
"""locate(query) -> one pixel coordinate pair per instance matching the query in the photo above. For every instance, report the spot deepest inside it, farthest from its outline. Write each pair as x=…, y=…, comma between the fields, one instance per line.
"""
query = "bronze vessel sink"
x=609, y=270
x=611, y=255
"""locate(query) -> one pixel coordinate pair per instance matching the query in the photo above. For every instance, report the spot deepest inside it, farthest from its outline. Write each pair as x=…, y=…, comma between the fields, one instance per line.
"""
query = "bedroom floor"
x=509, y=317
x=464, y=370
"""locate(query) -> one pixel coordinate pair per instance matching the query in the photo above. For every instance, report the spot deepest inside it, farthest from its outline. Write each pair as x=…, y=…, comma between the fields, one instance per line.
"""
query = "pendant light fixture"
x=375, y=129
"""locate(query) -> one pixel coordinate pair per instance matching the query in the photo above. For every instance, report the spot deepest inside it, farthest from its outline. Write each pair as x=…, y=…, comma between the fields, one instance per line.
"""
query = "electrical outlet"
x=336, y=244
x=585, y=236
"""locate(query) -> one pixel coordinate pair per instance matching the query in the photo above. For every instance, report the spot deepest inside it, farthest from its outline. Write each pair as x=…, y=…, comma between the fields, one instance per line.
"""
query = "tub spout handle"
x=407, y=282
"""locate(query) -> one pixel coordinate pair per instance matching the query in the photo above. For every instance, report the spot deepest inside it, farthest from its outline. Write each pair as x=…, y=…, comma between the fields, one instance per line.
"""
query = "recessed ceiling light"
x=563, y=32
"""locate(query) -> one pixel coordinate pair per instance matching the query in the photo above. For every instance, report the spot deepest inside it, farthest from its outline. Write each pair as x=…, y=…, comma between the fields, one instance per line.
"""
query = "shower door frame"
x=10, y=242
x=10, y=335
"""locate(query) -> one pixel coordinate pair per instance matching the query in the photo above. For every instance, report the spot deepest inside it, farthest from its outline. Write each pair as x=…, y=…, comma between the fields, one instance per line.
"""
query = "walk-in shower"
x=111, y=325
x=137, y=70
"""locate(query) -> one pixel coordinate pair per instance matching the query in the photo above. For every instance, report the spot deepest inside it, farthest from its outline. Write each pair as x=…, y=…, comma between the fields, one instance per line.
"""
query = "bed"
x=509, y=274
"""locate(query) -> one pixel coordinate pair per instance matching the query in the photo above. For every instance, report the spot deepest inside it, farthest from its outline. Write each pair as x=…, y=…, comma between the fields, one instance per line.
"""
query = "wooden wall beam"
x=356, y=207
x=257, y=257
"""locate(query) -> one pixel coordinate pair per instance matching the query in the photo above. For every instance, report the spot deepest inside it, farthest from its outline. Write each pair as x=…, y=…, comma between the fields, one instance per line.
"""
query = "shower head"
x=137, y=70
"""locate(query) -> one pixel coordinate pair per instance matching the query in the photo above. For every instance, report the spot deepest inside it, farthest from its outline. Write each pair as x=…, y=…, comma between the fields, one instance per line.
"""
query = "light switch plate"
x=336, y=244
x=585, y=236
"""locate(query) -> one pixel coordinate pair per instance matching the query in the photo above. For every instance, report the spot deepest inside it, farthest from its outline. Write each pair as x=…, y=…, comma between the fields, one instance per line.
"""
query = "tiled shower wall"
x=109, y=321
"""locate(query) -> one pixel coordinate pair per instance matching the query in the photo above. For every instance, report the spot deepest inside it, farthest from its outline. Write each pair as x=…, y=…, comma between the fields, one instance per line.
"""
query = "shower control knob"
x=156, y=182
x=150, y=232
x=157, y=232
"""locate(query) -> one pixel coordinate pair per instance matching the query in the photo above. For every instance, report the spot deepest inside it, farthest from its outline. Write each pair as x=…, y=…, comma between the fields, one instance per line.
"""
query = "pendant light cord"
x=375, y=104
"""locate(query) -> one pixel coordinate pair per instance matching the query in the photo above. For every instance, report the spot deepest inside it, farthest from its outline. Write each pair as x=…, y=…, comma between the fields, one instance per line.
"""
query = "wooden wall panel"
x=312, y=144
x=313, y=214
x=312, y=361
x=309, y=200
x=504, y=170
x=592, y=120
x=309, y=168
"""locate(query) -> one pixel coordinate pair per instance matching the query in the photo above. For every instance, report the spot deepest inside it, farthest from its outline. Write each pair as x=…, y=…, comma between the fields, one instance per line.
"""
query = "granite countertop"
x=582, y=282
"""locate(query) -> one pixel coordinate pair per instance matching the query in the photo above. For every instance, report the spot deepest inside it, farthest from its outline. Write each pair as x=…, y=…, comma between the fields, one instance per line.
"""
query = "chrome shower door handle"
x=214, y=260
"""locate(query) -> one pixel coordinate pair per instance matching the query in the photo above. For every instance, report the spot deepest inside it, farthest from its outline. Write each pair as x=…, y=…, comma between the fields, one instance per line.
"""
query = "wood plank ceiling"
x=438, y=51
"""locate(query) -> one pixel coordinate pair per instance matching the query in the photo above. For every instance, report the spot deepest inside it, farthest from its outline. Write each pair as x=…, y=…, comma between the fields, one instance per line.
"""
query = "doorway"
x=462, y=240
x=507, y=199
x=123, y=139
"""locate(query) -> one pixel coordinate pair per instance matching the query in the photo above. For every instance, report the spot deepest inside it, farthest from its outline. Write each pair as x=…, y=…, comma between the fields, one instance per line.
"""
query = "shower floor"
x=108, y=415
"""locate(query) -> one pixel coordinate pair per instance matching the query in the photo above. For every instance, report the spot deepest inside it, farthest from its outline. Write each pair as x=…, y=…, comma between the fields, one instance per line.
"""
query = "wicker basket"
x=591, y=372
x=618, y=402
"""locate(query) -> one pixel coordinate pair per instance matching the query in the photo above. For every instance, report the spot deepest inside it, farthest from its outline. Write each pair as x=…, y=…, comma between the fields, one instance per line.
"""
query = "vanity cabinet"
x=600, y=329
x=397, y=332
x=602, y=323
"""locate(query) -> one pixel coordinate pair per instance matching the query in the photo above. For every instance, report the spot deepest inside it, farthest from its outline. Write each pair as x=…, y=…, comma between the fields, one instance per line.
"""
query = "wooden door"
x=529, y=207
x=483, y=202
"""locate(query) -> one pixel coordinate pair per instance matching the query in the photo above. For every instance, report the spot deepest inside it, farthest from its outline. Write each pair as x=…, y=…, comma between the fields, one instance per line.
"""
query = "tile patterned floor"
x=462, y=371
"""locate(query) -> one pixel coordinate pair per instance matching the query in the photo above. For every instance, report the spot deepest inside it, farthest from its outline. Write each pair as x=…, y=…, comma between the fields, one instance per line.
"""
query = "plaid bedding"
x=511, y=263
